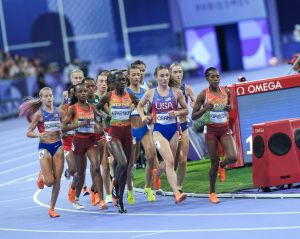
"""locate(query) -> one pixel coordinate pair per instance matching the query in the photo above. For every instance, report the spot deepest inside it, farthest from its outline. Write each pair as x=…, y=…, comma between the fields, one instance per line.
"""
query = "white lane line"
x=17, y=144
x=23, y=149
x=156, y=231
x=18, y=179
x=145, y=235
x=25, y=208
x=19, y=167
x=16, y=199
x=37, y=201
x=24, y=156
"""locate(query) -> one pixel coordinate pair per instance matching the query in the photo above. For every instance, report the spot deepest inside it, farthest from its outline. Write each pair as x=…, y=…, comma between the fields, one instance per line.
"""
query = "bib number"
x=165, y=119
x=218, y=117
x=89, y=128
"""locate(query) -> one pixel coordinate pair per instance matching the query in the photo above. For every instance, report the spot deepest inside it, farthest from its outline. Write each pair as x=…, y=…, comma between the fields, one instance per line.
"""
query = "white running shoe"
x=77, y=205
x=108, y=198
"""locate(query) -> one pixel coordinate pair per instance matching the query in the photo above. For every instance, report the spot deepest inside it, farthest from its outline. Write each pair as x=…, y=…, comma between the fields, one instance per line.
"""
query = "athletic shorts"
x=123, y=134
x=139, y=133
x=216, y=133
x=82, y=143
x=167, y=130
x=50, y=147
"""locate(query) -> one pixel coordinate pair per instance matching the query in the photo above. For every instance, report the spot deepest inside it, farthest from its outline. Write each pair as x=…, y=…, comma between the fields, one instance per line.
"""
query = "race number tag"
x=51, y=126
x=218, y=117
x=165, y=119
x=120, y=113
x=89, y=128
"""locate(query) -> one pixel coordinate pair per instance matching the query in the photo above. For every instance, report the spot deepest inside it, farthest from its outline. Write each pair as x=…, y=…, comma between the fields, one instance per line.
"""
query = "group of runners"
x=107, y=121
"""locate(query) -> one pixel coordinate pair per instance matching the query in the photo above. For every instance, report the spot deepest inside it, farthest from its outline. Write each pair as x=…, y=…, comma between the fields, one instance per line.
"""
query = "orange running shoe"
x=92, y=198
x=221, y=173
x=213, y=198
x=103, y=205
x=156, y=179
x=71, y=194
x=97, y=200
x=40, y=181
x=52, y=213
x=179, y=197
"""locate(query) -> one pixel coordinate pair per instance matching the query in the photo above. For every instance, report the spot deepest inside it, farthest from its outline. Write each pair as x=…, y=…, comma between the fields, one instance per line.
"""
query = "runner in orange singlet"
x=212, y=105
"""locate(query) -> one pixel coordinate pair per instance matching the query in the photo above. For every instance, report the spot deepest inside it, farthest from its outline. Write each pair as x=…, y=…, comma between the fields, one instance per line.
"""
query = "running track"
x=24, y=208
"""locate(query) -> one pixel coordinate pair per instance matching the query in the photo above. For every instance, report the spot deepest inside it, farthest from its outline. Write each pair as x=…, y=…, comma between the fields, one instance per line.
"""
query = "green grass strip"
x=197, y=179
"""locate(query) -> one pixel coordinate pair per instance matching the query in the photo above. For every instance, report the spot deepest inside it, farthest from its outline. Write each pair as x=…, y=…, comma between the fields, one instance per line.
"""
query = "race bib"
x=120, y=114
x=89, y=128
x=51, y=126
x=165, y=119
x=218, y=117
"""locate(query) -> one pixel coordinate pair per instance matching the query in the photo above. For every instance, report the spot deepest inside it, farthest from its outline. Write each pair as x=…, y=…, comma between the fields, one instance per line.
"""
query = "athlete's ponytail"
x=31, y=105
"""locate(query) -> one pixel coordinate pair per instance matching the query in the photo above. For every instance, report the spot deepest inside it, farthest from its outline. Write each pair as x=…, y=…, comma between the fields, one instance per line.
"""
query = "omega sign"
x=259, y=87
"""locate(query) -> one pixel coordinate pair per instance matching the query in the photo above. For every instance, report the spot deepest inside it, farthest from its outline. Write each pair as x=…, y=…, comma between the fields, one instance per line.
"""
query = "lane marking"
x=20, y=150
x=36, y=200
x=145, y=235
x=156, y=231
x=24, y=156
x=18, y=179
x=19, y=167
x=25, y=208
x=16, y=199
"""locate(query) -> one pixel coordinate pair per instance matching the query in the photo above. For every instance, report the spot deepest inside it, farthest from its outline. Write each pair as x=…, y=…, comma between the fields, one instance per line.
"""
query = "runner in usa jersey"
x=164, y=101
x=47, y=119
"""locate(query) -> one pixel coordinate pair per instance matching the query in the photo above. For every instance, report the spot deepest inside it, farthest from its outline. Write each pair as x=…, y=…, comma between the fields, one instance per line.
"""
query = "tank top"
x=50, y=122
x=82, y=115
x=120, y=109
x=139, y=96
x=161, y=105
x=182, y=88
x=217, y=116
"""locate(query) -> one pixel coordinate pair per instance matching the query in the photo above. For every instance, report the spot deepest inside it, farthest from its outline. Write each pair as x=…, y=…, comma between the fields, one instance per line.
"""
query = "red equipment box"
x=276, y=153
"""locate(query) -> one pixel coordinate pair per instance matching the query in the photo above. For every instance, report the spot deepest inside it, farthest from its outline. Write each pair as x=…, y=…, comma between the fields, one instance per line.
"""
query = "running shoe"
x=40, y=181
x=151, y=197
x=114, y=196
x=179, y=197
x=97, y=200
x=52, y=213
x=121, y=207
x=71, y=194
x=213, y=198
x=221, y=173
x=67, y=174
x=92, y=194
x=108, y=198
x=85, y=191
x=77, y=205
x=130, y=197
x=156, y=179
x=160, y=192
x=103, y=205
